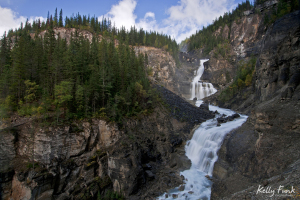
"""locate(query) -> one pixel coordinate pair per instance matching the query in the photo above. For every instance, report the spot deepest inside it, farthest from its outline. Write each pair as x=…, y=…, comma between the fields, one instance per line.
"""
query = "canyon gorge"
x=149, y=157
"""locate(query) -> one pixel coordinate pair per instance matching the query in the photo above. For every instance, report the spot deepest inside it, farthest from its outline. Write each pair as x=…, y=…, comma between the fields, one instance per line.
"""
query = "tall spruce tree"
x=60, y=21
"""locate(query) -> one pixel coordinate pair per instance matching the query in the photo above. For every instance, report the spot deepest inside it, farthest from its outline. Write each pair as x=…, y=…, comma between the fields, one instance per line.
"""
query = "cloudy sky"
x=178, y=18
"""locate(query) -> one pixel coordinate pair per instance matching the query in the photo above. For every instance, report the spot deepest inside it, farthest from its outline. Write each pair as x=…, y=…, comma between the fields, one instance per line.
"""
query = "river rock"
x=204, y=106
x=226, y=119
x=181, y=188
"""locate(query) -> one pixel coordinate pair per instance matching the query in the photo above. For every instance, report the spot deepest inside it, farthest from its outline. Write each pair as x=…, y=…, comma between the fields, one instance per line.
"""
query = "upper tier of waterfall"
x=200, y=89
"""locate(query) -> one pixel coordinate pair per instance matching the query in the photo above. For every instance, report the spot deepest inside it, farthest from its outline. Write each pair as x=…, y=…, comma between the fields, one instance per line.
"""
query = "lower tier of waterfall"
x=202, y=151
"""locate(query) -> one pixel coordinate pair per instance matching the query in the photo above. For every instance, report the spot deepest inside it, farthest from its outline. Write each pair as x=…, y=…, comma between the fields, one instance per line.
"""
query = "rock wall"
x=278, y=66
x=244, y=36
x=163, y=70
x=139, y=159
x=65, y=33
x=161, y=66
x=264, y=151
x=219, y=72
x=67, y=159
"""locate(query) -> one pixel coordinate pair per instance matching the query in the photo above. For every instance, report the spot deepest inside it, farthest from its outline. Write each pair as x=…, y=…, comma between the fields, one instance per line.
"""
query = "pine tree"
x=19, y=69
x=48, y=19
x=103, y=76
x=55, y=18
x=5, y=65
x=95, y=75
x=60, y=22
x=4, y=52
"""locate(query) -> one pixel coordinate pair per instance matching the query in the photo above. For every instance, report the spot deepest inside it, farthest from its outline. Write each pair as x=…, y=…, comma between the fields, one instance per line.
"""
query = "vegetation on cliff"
x=79, y=79
x=208, y=40
x=104, y=27
x=205, y=37
x=243, y=78
x=284, y=7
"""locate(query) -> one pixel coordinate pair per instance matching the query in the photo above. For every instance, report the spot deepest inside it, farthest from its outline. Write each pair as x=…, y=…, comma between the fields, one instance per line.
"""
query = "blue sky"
x=178, y=18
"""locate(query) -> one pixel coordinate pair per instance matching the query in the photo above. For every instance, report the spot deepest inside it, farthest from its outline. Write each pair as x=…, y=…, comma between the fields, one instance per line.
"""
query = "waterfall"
x=203, y=147
x=200, y=89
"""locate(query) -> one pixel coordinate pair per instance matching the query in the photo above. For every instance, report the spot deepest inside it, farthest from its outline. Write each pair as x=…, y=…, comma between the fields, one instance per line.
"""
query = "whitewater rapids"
x=203, y=147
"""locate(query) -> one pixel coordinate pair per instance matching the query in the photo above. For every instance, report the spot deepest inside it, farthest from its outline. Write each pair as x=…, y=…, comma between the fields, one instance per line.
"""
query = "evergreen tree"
x=55, y=18
x=81, y=77
x=60, y=22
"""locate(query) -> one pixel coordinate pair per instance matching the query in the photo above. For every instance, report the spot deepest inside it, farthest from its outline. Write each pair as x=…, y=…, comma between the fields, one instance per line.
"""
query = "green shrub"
x=241, y=83
x=248, y=80
x=227, y=76
x=266, y=20
x=7, y=106
x=30, y=165
x=111, y=195
x=243, y=78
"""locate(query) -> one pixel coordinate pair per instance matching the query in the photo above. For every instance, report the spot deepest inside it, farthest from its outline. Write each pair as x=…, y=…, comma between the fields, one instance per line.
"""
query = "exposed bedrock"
x=265, y=150
x=140, y=159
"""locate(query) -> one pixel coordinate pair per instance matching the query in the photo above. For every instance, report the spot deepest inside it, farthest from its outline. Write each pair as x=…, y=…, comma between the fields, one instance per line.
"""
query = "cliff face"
x=140, y=159
x=278, y=65
x=65, y=33
x=161, y=66
x=220, y=70
x=66, y=157
x=264, y=151
x=163, y=70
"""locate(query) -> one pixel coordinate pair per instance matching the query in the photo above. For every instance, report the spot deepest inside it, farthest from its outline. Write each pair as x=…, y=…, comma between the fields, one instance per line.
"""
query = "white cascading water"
x=201, y=89
x=202, y=151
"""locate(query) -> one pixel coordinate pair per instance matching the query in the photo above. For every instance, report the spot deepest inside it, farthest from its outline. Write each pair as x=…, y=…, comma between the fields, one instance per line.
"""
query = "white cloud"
x=191, y=15
x=150, y=14
x=148, y=22
x=10, y=20
x=122, y=14
x=184, y=19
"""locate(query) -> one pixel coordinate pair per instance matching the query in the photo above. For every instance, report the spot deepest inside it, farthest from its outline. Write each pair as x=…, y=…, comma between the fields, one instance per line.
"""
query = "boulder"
x=149, y=174
x=181, y=188
x=204, y=106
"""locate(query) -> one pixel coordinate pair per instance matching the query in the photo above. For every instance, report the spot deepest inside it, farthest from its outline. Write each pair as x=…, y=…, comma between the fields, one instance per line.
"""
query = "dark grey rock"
x=149, y=174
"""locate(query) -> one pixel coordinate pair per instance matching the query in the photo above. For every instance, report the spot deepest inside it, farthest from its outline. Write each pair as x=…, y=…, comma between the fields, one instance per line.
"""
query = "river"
x=203, y=147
